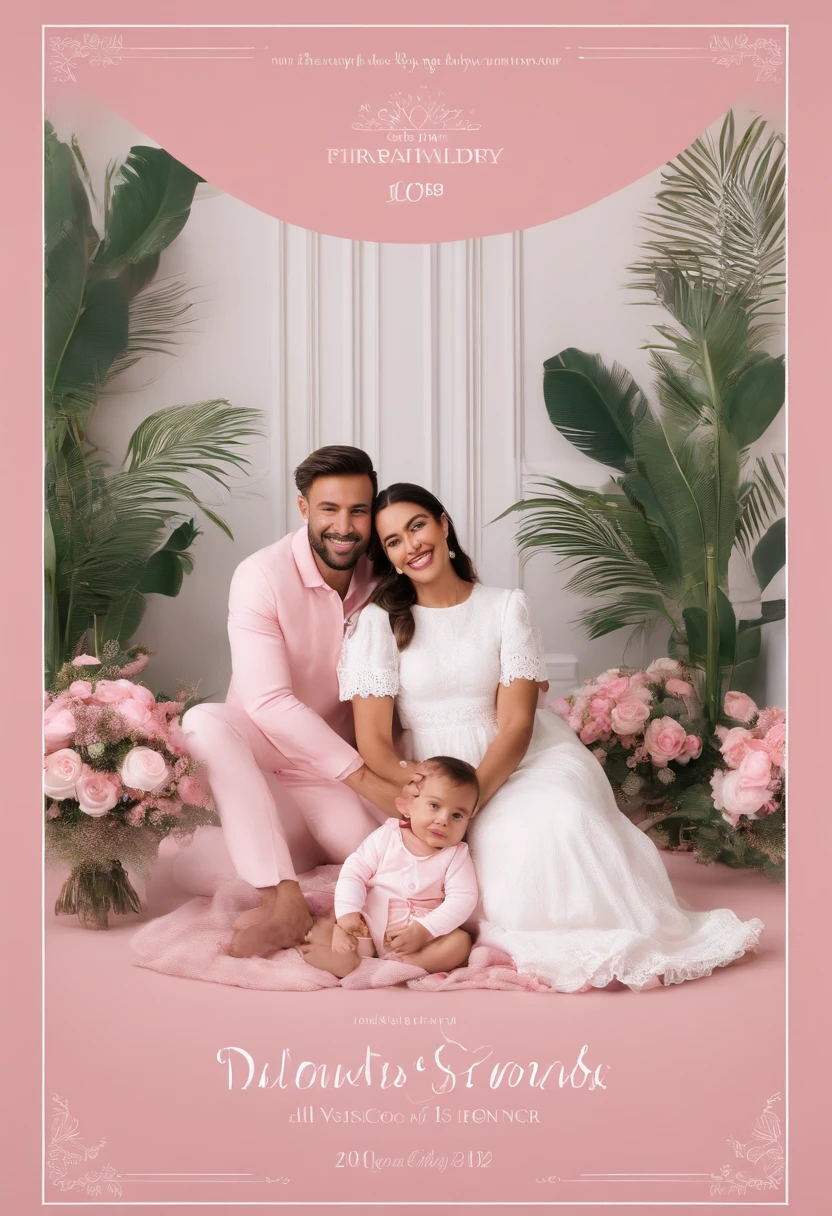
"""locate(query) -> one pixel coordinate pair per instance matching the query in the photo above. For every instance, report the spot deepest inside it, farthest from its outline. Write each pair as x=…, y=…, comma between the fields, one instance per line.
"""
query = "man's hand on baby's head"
x=413, y=776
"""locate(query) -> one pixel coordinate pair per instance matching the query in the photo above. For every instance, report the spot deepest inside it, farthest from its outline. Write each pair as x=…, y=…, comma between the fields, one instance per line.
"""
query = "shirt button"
x=411, y=886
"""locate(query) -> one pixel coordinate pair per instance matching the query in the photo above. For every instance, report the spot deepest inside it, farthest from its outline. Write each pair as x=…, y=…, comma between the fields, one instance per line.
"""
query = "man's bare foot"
x=284, y=922
x=324, y=958
x=250, y=918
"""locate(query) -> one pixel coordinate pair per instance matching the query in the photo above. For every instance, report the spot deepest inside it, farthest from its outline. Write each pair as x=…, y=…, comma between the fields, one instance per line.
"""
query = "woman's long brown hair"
x=395, y=593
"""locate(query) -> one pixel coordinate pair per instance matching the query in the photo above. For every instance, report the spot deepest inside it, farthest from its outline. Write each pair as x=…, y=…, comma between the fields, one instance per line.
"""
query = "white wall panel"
x=428, y=356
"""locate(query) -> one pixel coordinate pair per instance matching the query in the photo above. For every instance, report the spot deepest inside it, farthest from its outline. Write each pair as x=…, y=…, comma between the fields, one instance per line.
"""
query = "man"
x=288, y=608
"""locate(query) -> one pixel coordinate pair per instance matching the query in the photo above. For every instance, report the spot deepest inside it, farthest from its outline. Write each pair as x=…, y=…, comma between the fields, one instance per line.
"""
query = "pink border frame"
x=809, y=190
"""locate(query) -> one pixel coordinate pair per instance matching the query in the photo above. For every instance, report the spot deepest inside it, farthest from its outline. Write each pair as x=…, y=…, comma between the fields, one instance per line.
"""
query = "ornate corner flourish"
x=100, y=50
x=766, y=54
x=764, y=1150
x=67, y=1150
x=409, y=112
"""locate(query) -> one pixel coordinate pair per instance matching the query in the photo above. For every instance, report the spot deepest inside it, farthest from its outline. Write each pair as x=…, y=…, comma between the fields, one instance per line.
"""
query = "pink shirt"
x=286, y=626
x=382, y=869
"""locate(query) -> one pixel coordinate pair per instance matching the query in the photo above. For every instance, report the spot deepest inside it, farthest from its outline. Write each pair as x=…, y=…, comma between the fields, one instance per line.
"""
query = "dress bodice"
x=447, y=678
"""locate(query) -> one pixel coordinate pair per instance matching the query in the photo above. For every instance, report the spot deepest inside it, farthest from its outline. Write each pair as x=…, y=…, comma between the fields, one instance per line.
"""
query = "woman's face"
x=414, y=541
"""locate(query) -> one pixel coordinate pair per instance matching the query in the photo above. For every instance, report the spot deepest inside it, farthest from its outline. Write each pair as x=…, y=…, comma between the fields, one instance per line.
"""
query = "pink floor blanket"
x=190, y=941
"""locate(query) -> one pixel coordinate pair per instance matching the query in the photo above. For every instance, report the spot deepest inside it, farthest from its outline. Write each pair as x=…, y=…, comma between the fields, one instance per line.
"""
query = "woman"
x=569, y=888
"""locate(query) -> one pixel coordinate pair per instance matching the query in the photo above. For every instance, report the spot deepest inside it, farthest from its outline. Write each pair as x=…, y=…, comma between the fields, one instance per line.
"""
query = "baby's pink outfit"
x=390, y=886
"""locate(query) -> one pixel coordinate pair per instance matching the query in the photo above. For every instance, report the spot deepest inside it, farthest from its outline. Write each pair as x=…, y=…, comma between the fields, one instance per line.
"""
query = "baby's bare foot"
x=325, y=959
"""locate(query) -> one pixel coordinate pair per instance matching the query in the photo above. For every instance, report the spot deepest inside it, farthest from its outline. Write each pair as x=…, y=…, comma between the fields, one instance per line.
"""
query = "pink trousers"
x=277, y=821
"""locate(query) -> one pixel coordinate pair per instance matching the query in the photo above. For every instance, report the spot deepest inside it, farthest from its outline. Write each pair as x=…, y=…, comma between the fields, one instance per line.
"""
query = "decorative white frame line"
x=519, y=393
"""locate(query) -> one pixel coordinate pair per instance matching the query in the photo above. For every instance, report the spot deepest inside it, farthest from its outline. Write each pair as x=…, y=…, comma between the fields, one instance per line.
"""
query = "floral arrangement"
x=117, y=779
x=719, y=794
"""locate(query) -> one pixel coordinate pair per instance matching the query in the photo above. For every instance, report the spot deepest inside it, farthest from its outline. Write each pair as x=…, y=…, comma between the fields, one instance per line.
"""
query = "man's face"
x=339, y=519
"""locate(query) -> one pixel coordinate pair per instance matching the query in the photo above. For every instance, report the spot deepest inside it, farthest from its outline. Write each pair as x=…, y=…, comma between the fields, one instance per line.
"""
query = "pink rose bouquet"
x=117, y=779
x=718, y=794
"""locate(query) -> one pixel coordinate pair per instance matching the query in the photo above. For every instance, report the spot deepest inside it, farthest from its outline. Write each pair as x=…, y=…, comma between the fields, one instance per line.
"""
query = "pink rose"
x=110, y=692
x=61, y=771
x=86, y=660
x=144, y=769
x=97, y=793
x=607, y=676
x=693, y=744
x=591, y=733
x=142, y=695
x=615, y=689
x=775, y=743
x=134, y=713
x=739, y=706
x=176, y=741
x=664, y=740
x=755, y=770
x=744, y=790
x=665, y=669
x=561, y=707
x=139, y=663
x=629, y=716
x=58, y=730
x=191, y=791
x=734, y=745
x=81, y=690
x=640, y=754
x=600, y=705
x=55, y=706
x=679, y=688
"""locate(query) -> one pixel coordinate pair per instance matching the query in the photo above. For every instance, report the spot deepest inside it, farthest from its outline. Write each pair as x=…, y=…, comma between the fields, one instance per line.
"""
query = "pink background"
x=809, y=228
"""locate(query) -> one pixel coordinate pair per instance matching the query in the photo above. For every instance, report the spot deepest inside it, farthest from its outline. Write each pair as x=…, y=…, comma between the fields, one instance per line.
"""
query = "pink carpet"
x=134, y=1053
x=190, y=941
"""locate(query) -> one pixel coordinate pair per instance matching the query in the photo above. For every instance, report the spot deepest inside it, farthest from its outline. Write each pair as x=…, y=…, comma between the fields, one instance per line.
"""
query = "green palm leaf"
x=720, y=213
x=203, y=439
x=595, y=407
x=761, y=500
x=151, y=202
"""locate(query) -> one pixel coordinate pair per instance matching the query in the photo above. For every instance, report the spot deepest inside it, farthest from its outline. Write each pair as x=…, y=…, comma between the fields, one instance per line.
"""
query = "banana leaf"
x=595, y=407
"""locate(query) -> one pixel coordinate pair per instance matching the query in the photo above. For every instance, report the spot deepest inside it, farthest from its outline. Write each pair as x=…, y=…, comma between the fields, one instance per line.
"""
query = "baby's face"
x=440, y=813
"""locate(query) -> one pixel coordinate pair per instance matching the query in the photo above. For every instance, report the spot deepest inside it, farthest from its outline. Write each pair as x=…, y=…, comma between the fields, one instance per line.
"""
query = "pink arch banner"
x=419, y=135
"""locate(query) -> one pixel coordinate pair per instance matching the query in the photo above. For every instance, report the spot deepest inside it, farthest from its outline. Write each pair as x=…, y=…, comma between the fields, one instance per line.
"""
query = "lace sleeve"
x=521, y=646
x=369, y=664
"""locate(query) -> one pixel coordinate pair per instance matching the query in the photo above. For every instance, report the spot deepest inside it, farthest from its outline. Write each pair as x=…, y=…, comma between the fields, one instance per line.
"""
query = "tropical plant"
x=114, y=537
x=657, y=545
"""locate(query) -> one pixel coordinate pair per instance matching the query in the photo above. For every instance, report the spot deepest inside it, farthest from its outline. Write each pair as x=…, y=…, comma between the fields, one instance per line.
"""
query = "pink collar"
x=361, y=583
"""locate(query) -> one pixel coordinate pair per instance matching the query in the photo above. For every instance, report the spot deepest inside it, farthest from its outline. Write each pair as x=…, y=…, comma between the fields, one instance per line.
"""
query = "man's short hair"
x=459, y=772
x=336, y=460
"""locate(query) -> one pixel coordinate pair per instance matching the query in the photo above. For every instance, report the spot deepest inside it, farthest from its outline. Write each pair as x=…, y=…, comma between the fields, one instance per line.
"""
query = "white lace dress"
x=573, y=891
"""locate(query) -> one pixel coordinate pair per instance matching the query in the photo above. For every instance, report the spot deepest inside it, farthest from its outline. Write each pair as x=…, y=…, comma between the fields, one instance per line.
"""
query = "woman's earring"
x=398, y=571
x=451, y=554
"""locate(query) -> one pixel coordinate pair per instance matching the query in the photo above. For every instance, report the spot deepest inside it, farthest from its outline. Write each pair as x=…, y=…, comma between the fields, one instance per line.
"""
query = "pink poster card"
x=488, y=245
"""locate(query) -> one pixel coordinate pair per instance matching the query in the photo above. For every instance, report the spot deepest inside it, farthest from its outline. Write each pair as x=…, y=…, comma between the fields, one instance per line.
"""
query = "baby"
x=408, y=887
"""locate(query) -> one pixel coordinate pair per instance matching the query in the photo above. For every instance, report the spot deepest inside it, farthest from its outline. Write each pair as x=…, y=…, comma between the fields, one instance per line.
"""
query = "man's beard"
x=346, y=562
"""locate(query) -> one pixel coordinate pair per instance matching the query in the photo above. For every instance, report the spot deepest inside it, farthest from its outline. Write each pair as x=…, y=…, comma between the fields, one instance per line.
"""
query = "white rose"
x=61, y=771
x=144, y=769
